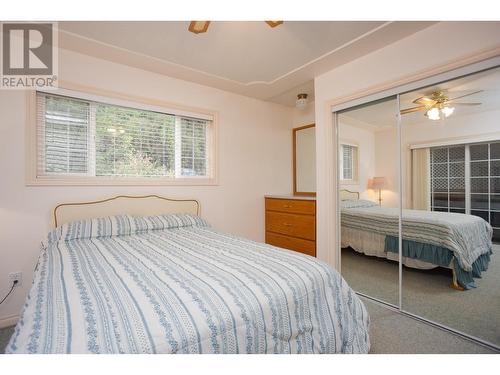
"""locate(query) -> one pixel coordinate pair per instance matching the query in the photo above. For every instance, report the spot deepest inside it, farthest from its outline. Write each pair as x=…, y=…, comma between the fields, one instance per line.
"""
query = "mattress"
x=458, y=241
x=172, y=284
x=373, y=244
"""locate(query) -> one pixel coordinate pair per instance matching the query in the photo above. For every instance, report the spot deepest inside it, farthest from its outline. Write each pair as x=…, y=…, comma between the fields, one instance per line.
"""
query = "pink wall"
x=254, y=160
x=440, y=44
x=365, y=140
x=455, y=127
x=303, y=116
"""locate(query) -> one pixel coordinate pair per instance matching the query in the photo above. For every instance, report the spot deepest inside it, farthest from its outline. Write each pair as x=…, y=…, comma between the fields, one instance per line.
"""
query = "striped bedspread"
x=467, y=236
x=171, y=284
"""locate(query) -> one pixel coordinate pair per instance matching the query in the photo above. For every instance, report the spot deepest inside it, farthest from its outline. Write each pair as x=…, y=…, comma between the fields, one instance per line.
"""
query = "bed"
x=151, y=276
x=430, y=239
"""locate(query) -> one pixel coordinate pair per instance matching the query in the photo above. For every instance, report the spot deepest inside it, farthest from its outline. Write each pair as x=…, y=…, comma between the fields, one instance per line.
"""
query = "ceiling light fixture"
x=439, y=103
x=447, y=111
x=433, y=114
x=301, y=101
x=199, y=27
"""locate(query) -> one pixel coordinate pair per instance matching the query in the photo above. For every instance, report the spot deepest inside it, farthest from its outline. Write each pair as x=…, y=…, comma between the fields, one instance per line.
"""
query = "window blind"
x=194, y=147
x=448, y=181
x=347, y=162
x=63, y=135
x=87, y=138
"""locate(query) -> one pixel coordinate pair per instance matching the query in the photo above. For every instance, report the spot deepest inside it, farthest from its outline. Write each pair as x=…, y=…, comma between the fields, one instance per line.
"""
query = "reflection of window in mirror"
x=348, y=163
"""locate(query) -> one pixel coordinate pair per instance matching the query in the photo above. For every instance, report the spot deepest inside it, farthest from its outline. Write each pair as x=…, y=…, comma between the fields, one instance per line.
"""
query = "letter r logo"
x=27, y=49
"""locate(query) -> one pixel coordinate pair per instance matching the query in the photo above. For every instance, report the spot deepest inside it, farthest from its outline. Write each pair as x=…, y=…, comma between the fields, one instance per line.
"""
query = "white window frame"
x=468, y=177
x=355, y=165
x=32, y=178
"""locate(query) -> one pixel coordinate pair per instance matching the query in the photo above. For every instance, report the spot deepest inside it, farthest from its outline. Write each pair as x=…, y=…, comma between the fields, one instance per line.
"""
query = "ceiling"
x=381, y=115
x=248, y=58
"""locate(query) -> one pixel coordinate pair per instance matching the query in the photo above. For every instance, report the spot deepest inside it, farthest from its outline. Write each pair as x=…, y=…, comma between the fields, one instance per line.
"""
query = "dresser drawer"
x=301, y=226
x=291, y=243
x=307, y=207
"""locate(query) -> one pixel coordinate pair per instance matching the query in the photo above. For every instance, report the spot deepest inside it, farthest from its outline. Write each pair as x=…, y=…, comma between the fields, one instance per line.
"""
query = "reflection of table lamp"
x=377, y=183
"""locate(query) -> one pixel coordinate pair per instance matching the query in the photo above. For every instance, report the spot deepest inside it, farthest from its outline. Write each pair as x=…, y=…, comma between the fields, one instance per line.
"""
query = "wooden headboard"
x=145, y=205
x=348, y=195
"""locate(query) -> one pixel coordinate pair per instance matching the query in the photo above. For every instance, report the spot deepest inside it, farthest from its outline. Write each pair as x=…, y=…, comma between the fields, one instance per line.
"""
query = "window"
x=485, y=184
x=466, y=179
x=448, y=179
x=348, y=163
x=79, y=138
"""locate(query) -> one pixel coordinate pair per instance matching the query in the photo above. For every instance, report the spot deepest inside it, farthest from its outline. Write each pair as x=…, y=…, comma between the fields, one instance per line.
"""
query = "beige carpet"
x=427, y=293
x=395, y=333
x=5, y=334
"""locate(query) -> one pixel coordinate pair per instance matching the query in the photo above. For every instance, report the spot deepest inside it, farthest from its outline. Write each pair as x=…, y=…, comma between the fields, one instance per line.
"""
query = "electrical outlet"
x=16, y=276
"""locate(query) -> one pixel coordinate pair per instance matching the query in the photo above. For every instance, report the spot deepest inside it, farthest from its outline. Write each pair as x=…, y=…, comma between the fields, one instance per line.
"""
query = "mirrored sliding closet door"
x=368, y=154
x=419, y=198
x=451, y=219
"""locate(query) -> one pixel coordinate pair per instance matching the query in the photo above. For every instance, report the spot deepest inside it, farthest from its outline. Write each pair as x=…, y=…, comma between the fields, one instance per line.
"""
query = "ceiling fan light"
x=448, y=111
x=433, y=114
x=301, y=101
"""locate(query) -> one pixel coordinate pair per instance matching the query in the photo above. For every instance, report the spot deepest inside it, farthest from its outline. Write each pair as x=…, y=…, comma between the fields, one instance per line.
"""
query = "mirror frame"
x=294, y=138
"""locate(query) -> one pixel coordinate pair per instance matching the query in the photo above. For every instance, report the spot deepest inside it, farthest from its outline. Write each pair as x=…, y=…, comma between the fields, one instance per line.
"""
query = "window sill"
x=105, y=181
x=349, y=182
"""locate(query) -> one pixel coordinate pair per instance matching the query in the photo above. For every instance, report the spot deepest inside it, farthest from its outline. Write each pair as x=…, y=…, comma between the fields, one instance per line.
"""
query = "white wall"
x=383, y=162
x=456, y=127
x=386, y=154
x=365, y=140
x=441, y=44
x=254, y=160
x=352, y=132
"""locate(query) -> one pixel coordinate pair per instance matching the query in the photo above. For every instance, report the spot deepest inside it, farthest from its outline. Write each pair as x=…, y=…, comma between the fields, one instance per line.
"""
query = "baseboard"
x=8, y=321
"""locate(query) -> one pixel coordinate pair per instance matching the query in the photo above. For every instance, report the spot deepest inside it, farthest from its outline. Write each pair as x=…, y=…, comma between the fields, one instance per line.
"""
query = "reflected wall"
x=368, y=178
x=451, y=171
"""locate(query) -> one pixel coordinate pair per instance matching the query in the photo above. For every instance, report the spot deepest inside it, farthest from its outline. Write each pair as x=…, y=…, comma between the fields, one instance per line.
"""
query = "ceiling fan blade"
x=414, y=109
x=464, y=103
x=274, y=23
x=463, y=96
x=199, y=27
x=425, y=101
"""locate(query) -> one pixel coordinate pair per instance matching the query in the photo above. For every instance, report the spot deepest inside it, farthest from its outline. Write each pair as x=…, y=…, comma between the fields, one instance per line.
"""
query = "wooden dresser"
x=291, y=223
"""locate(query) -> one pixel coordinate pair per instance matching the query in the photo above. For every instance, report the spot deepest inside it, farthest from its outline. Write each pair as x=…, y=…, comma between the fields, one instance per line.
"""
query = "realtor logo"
x=29, y=55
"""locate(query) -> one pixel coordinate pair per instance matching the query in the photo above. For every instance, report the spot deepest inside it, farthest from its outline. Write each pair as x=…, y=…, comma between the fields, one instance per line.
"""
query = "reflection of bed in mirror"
x=431, y=239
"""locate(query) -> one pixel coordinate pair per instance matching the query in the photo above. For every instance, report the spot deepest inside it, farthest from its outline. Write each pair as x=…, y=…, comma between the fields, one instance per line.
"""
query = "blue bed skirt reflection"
x=440, y=256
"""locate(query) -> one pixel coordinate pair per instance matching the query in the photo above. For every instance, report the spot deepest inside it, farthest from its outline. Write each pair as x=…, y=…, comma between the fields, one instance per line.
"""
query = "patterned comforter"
x=467, y=236
x=171, y=284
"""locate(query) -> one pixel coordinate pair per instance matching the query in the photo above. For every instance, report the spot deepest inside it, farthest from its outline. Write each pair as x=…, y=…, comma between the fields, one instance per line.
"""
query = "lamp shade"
x=376, y=183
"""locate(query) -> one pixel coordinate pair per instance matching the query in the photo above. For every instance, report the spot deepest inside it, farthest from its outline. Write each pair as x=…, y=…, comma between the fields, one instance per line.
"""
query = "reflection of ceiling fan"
x=438, y=103
x=199, y=27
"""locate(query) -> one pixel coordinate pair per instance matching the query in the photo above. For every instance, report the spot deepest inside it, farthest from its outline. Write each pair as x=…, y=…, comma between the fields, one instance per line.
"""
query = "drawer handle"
x=287, y=224
x=287, y=206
